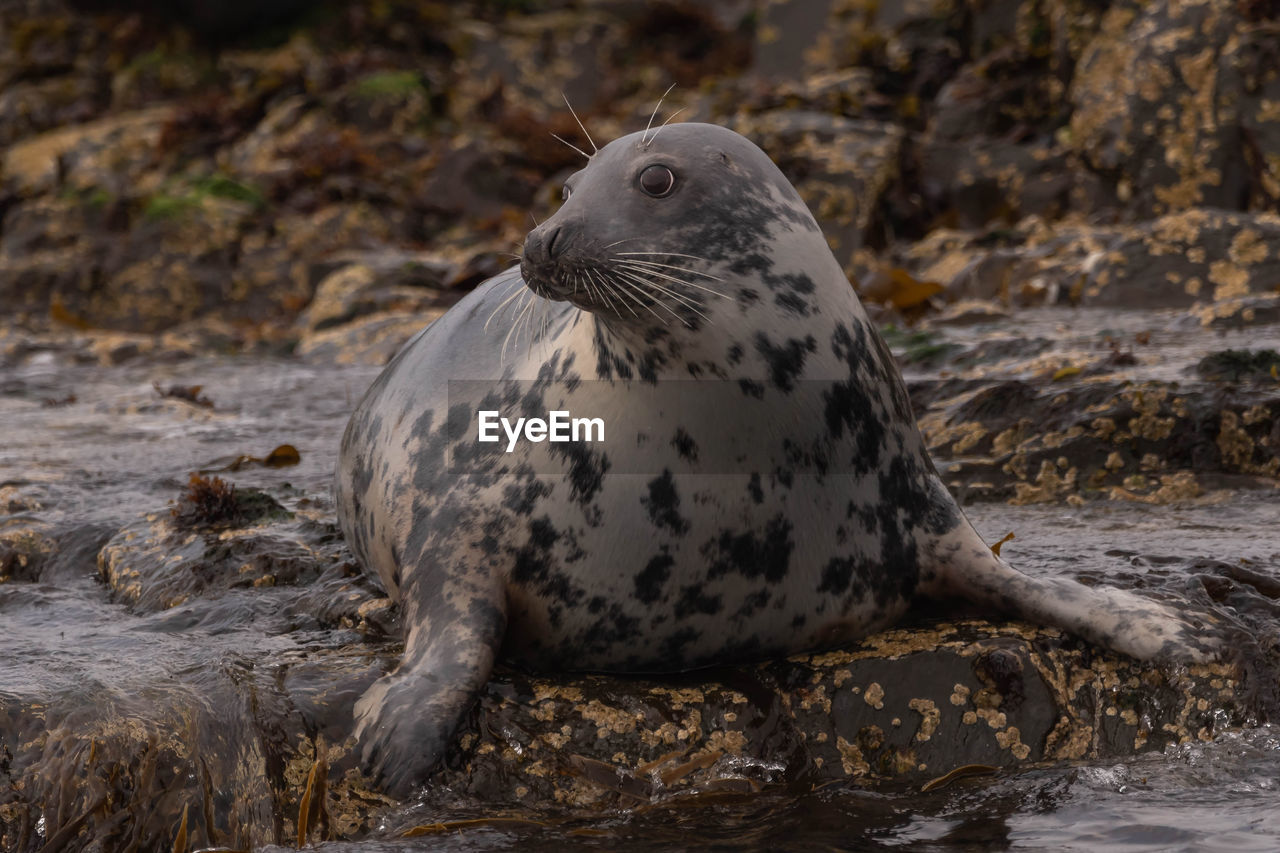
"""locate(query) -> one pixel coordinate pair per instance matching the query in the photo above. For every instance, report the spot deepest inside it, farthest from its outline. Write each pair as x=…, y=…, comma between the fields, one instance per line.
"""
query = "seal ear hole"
x=724, y=158
x=657, y=181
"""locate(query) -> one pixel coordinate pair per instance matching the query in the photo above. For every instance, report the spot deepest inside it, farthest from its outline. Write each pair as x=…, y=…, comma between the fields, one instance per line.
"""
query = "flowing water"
x=79, y=471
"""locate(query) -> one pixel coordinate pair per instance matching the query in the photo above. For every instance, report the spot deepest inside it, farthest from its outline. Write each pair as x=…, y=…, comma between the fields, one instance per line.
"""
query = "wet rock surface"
x=1060, y=212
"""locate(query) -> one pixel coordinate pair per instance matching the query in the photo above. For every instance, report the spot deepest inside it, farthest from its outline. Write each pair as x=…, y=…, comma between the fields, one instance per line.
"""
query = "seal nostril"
x=551, y=243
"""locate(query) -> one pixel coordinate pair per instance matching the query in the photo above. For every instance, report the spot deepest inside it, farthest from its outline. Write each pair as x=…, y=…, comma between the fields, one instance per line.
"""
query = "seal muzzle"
x=541, y=264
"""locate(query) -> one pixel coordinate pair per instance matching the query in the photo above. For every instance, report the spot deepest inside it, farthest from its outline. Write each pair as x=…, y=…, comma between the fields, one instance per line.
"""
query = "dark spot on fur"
x=522, y=497
x=693, y=600
x=791, y=302
x=786, y=361
x=663, y=504
x=837, y=575
x=609, y=632
x=685, y=445
x=651, y=579
x=673, y=647
x=757, y=600
x=587, y=468
x=848, y=409
x=751, y=555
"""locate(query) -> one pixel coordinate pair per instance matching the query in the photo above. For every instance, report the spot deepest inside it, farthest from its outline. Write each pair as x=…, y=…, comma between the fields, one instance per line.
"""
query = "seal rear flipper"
x=405, y=721
x=1116, y=619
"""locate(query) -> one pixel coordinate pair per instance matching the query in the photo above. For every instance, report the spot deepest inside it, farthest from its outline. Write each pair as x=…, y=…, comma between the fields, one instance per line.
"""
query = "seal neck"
x=630, y=348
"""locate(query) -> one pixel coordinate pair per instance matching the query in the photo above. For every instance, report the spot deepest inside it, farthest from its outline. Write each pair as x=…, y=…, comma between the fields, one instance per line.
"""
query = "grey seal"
x=799, y=511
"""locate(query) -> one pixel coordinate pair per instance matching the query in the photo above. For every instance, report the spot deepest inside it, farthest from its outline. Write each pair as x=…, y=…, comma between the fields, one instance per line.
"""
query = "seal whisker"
x=544, y=323
x=644, y=140
x=622, y=297
x=619, y=294
x=514, y=294
x=595, y=148
x=664, y=124
x=571, y=145
x=684, y=301
x=671, y=278
x=607, y=300
x=641, y=279
x=624, y=240
x=676, y=268
x=646, y=304
x=587, y=282
x=662, y=254
x=518, y=326
x=526, y=303
x=636, y=294
x=528, y=328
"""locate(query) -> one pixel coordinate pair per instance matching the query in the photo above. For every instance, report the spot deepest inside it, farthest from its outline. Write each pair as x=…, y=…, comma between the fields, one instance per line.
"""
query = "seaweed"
x=214, y=503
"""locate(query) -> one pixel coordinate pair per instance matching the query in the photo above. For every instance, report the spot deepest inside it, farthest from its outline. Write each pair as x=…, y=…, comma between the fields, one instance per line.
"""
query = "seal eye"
x=657, y=181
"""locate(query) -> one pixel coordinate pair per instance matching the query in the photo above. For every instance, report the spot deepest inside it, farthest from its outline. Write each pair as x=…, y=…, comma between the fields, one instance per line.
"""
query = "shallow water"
x=83, y=470
x=1204, y=797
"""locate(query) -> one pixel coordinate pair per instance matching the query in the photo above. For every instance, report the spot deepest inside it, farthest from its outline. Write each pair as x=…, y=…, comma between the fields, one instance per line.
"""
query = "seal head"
x=645, y=207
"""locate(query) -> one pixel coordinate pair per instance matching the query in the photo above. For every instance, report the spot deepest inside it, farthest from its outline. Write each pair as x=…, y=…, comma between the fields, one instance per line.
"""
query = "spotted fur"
x=834, y=521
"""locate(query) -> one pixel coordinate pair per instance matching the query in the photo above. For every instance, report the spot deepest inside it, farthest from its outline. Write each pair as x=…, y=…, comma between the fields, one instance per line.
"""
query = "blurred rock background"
x=318, y=178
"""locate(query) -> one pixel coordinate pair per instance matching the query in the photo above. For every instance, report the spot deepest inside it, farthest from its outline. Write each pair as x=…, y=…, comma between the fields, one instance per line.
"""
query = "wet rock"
x=378, y=281
x=1237, y=365
x=1031, y=262
x=904, y=706
x=227, y=745
x=913, y=47
x=281, y=74
x=975, y=183
x=166, y=559
x=1148, y=441
x=1251, y=67
x=1196, y=259
x=100, y=153
x=1158, y=98
x=235, y=745
x=969, y=312
x=373, y=301
x=31, y=107
x=372, y=339
x=399, y=101
x=23, y=552
x=1185, y=258
x=785, y=37
x=1000, y=95
x=1240, y=312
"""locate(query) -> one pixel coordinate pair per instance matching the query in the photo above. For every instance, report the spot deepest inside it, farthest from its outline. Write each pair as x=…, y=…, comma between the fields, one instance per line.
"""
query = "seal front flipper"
x=404, y=722
x=1116, y=619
